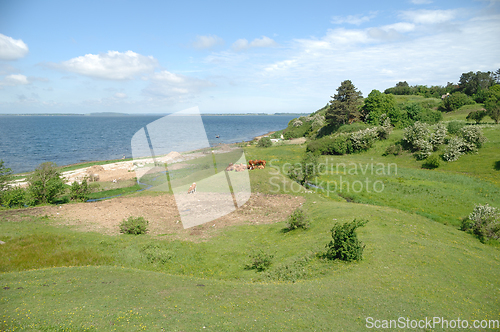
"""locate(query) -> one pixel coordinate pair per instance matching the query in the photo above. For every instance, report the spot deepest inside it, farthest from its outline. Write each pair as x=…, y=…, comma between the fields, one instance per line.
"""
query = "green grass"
x=412, y=267
x=56, y=278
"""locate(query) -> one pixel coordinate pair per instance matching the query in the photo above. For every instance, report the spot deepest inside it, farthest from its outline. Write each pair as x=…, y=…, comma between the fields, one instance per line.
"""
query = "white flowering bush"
x=484, y=222
x=423, y=149
x=363, y=140
x=297, y=123
x=438, y=136
x=318, y=121
x=454, y=149
x=473, y=137
x=417, y=137
x=386, y=129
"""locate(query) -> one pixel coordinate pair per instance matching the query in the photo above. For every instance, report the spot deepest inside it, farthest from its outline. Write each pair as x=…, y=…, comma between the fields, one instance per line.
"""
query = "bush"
x=484, y=222
x=265, y=142
x=330, y=145
x=45, y=184
x=431, y=162
x=79, y=191
x=260, y=261
x=297, y=219
x=353, y=127
x=395, y=149
x=307, y=168
x=455, y=126
x=385, y=130
x=363, y=140
x=477, y=116
x=5, y=177
x=345, y=244
x=289, y=272
x=134, y=226
x=15, y=197
x=437, y=137
x=455, y=101
x=473, y=136
x=155, y=254
x=454, y=149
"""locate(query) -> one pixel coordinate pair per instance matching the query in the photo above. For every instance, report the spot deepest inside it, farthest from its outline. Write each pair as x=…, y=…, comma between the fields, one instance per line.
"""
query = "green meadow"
x=417, y=264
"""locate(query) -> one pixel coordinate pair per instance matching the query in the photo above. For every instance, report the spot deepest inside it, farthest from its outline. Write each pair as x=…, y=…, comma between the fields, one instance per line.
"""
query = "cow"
x=192, y=189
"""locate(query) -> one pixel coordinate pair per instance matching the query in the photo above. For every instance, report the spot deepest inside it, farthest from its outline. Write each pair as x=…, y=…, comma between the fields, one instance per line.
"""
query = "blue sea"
x=27, y=141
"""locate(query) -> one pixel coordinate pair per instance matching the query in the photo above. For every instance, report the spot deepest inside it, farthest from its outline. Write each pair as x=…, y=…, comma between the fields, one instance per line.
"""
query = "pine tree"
x=344, y=106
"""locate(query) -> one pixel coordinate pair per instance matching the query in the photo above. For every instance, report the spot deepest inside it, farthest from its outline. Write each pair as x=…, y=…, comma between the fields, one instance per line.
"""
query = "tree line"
x=347, y=105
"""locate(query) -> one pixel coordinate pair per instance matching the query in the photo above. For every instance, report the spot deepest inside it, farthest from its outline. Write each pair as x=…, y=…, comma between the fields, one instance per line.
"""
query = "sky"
x=232, y=56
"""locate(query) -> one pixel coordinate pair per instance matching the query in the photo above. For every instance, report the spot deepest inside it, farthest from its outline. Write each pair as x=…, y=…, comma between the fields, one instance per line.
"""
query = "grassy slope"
x=413, y=267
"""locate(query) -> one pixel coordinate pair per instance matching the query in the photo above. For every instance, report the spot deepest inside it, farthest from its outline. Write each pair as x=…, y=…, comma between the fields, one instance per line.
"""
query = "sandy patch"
x=162, y=214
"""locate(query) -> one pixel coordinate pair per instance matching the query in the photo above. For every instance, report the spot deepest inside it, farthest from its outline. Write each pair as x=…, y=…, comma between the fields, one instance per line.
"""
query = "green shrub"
x=5, y=177
x=395, y=149
x=155, y=254
x=484, y=222
x=455, y=126
x=15, y=197
x=431, y=162
x=305, y=170
x=297, y=219
x=265, y=142
x=45, y=184
x=260, y=261
x=297, y=129
x=455, y=101
x=79, y=191
x=289, y=272
x=429, y=116
x=353, y=127
x=345, y=244
x=134, y=226
x=477, y=116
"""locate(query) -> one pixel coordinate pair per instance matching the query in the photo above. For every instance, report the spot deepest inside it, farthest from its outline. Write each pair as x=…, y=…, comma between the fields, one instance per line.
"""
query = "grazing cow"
x=192, y=189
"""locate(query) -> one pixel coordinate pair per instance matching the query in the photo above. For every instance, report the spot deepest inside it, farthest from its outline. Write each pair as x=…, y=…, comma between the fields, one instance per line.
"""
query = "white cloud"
x=121, y=95
x=314, y=67
x=425, y=16
x=15, y=79
x=112, y=65
x=421, y=2
x=243, y=44
x=12, y=49
x=206, y=42
x=352, y=19
x=175, y=87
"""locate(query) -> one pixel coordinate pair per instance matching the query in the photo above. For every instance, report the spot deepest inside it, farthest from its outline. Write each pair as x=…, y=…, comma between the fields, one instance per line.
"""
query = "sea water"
x=27, y=141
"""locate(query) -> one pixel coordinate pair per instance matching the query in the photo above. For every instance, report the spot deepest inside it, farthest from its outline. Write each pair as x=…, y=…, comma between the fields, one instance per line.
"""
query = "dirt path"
x=162, y=214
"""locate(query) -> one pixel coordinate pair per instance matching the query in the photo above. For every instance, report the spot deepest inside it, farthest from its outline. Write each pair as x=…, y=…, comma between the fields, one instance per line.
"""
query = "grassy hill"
x=416, y=263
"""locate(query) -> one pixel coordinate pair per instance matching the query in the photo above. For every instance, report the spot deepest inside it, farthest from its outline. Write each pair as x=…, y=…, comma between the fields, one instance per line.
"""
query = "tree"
x=492, y=106
x=45, y=184
x=496, y=76
x=344, y=107
x=377, y=104
x=477, y=116
x=470, y=83
x=401, y=88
